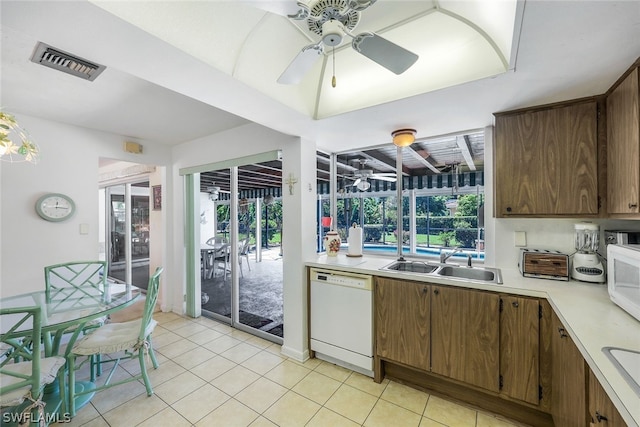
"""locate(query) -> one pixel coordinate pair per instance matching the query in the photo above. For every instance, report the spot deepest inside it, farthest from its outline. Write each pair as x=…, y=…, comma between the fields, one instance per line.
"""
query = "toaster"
x=544, y=264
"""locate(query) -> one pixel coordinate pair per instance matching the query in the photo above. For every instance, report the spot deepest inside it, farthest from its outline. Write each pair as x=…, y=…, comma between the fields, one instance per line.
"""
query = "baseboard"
x=300, y=356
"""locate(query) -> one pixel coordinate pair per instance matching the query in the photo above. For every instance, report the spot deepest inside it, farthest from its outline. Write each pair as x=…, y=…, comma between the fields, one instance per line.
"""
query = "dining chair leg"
x=143, y=371
x=71, y=378
x=152, y=354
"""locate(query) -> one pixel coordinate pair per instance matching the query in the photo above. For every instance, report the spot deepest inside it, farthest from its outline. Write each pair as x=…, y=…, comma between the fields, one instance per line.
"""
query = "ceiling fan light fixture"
x=363, y=185
x=403, y=137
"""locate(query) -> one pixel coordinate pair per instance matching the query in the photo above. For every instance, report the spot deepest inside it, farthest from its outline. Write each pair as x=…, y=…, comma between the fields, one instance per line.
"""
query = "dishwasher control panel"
x=341, y=279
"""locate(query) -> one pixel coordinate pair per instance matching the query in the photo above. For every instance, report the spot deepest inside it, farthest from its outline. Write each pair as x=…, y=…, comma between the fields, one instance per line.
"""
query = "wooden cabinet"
x=602, y=412
x=545, y=161
x=569, y=381
x=520, y=348
x=402, y=313
x=623, y=146
x=464, y=335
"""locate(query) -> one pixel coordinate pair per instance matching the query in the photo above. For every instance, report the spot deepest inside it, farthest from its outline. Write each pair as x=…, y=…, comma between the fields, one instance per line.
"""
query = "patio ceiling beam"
x=465, y=150
x=384, y=162
x=421, y=156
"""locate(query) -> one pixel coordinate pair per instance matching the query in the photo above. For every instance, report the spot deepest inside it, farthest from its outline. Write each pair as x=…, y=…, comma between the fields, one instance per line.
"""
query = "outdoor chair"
x=122, y=341
x=244, y=253
x=24, y=380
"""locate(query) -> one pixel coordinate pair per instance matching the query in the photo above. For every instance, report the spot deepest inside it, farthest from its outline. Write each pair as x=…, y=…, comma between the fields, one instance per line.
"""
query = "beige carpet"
x=134, y=311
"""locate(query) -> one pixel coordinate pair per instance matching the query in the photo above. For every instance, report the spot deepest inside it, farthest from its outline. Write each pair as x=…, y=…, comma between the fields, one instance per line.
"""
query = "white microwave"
x=623, y=277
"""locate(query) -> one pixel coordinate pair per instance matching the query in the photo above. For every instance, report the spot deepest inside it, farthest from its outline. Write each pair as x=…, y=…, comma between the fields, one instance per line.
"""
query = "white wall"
x=69, y=165
x=298, y=158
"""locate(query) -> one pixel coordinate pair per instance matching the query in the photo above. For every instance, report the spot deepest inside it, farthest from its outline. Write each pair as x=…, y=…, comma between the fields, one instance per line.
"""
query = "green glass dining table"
x=65, y=313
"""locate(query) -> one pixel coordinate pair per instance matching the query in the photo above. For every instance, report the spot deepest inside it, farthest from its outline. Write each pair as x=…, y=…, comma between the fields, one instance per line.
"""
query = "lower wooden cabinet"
x=602, y=412
x=520, y=348
x=465, y=336
x=507, y=353
x=569, y=380
x=403, y=322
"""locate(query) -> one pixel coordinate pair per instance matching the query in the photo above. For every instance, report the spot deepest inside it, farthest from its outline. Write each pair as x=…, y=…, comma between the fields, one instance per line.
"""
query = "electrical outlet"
x=520, y=238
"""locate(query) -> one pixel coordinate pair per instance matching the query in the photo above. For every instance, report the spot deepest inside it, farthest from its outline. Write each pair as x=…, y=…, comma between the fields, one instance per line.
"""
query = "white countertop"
x=592, y=320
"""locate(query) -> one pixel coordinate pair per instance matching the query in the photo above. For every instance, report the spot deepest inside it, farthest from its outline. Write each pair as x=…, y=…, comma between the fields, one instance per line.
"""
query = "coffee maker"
x=587, y=265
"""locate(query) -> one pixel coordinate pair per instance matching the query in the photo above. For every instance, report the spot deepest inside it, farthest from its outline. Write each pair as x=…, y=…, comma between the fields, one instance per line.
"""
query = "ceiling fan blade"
x=301, y=64
x=391, y=56
x=356, y=182
x=384, y=178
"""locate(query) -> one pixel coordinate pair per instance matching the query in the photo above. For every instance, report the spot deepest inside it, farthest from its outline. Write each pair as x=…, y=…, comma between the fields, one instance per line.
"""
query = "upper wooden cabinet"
x=546, y=161
x=623, y=146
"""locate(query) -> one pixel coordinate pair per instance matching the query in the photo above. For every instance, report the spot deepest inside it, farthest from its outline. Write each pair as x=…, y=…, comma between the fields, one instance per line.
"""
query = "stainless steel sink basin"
x=471, y=274
x=411, y=267
x=482, y=274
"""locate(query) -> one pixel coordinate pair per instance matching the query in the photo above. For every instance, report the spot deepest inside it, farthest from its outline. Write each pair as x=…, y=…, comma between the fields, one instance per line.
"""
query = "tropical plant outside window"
x=440, y=205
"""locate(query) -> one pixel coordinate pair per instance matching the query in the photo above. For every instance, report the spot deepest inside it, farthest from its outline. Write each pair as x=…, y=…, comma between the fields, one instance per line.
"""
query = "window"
x=442, y=198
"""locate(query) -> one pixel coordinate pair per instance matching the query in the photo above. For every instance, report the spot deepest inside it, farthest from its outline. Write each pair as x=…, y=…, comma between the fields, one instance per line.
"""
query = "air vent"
x=65, y=62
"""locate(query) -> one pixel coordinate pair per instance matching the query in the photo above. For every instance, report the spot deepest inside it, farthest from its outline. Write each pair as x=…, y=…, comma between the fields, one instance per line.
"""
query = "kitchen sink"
x=627, y=362
x=472, y=274
x=411, y=267
x=481, y=274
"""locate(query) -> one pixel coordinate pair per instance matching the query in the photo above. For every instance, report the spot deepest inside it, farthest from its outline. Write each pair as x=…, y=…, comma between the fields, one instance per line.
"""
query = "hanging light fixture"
x=23, y=151
x=403, y=137
x=363, y=185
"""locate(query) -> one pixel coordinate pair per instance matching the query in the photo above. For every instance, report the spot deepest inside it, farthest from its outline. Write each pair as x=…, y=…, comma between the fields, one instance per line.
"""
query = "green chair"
x=68, y=282
x=22, y=382
x=122, y=341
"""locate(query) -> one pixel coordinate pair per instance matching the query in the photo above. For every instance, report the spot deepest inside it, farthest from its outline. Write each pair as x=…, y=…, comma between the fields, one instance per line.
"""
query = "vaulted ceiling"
x=176, y=71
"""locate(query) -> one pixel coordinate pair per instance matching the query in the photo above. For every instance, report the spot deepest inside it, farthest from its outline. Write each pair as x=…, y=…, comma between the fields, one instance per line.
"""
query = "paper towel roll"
x=355, y=240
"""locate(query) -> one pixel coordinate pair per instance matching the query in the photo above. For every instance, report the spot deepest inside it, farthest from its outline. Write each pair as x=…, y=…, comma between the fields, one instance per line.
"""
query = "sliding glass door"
x=127, y=232
x=241, y=274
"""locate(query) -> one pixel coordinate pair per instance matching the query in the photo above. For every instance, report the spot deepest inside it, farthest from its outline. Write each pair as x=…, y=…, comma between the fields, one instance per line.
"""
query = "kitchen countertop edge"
x=592, y=320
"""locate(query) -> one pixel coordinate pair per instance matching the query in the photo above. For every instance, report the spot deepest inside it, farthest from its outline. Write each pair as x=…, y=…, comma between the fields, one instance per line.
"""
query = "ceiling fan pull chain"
x=333, y=54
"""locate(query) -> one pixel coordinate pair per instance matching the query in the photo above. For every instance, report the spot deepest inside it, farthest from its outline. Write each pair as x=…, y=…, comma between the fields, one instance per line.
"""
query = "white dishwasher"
x=341, y=316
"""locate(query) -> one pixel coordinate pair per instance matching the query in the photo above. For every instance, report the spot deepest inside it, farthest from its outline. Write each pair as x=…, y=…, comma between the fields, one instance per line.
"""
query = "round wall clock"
x=55, y=207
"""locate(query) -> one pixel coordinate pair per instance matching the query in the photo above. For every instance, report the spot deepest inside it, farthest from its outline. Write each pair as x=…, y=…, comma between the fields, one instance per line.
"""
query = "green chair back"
x=150, y=302
x=21, y=318
x=73, y=279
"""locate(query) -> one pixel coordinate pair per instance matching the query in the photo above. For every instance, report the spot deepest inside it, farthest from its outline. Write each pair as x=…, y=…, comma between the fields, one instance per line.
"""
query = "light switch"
x=520, y=238
x=84, y=228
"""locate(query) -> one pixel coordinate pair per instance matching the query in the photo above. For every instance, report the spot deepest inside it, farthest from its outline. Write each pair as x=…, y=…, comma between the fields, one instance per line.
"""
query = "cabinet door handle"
x=561, y=332
x=436, y=291
x=425, y=290
x=515, y=304
x=633, y=205
x=508, y=208
x=600, y=417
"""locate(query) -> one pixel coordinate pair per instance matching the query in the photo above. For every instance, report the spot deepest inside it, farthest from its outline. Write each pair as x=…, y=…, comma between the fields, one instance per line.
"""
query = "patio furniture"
x=123, y=341
x=24, y=380
x=244, y=253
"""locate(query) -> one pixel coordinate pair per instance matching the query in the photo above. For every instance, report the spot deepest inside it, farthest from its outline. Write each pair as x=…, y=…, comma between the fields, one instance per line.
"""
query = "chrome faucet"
x=444, y=256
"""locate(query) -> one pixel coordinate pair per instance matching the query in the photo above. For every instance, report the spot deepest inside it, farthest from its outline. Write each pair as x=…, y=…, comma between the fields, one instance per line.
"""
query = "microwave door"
x=624, y=281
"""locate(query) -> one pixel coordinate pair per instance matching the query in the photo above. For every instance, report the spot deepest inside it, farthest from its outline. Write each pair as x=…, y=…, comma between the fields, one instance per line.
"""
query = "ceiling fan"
x=332, y=20
x=214, y=192
x=362, y=176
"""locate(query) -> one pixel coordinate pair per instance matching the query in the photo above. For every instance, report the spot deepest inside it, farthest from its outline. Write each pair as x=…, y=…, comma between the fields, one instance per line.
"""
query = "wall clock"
x=55, y=207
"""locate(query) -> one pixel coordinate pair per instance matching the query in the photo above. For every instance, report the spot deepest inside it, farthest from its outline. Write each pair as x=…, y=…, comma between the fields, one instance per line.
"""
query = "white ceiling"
x=189, y=69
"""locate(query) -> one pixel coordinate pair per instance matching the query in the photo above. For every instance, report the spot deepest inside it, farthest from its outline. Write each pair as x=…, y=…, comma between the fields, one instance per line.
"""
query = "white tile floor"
x=213, y=375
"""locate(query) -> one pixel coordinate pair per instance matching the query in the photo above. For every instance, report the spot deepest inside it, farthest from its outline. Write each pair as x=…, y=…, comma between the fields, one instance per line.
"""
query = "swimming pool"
x=421, y=251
